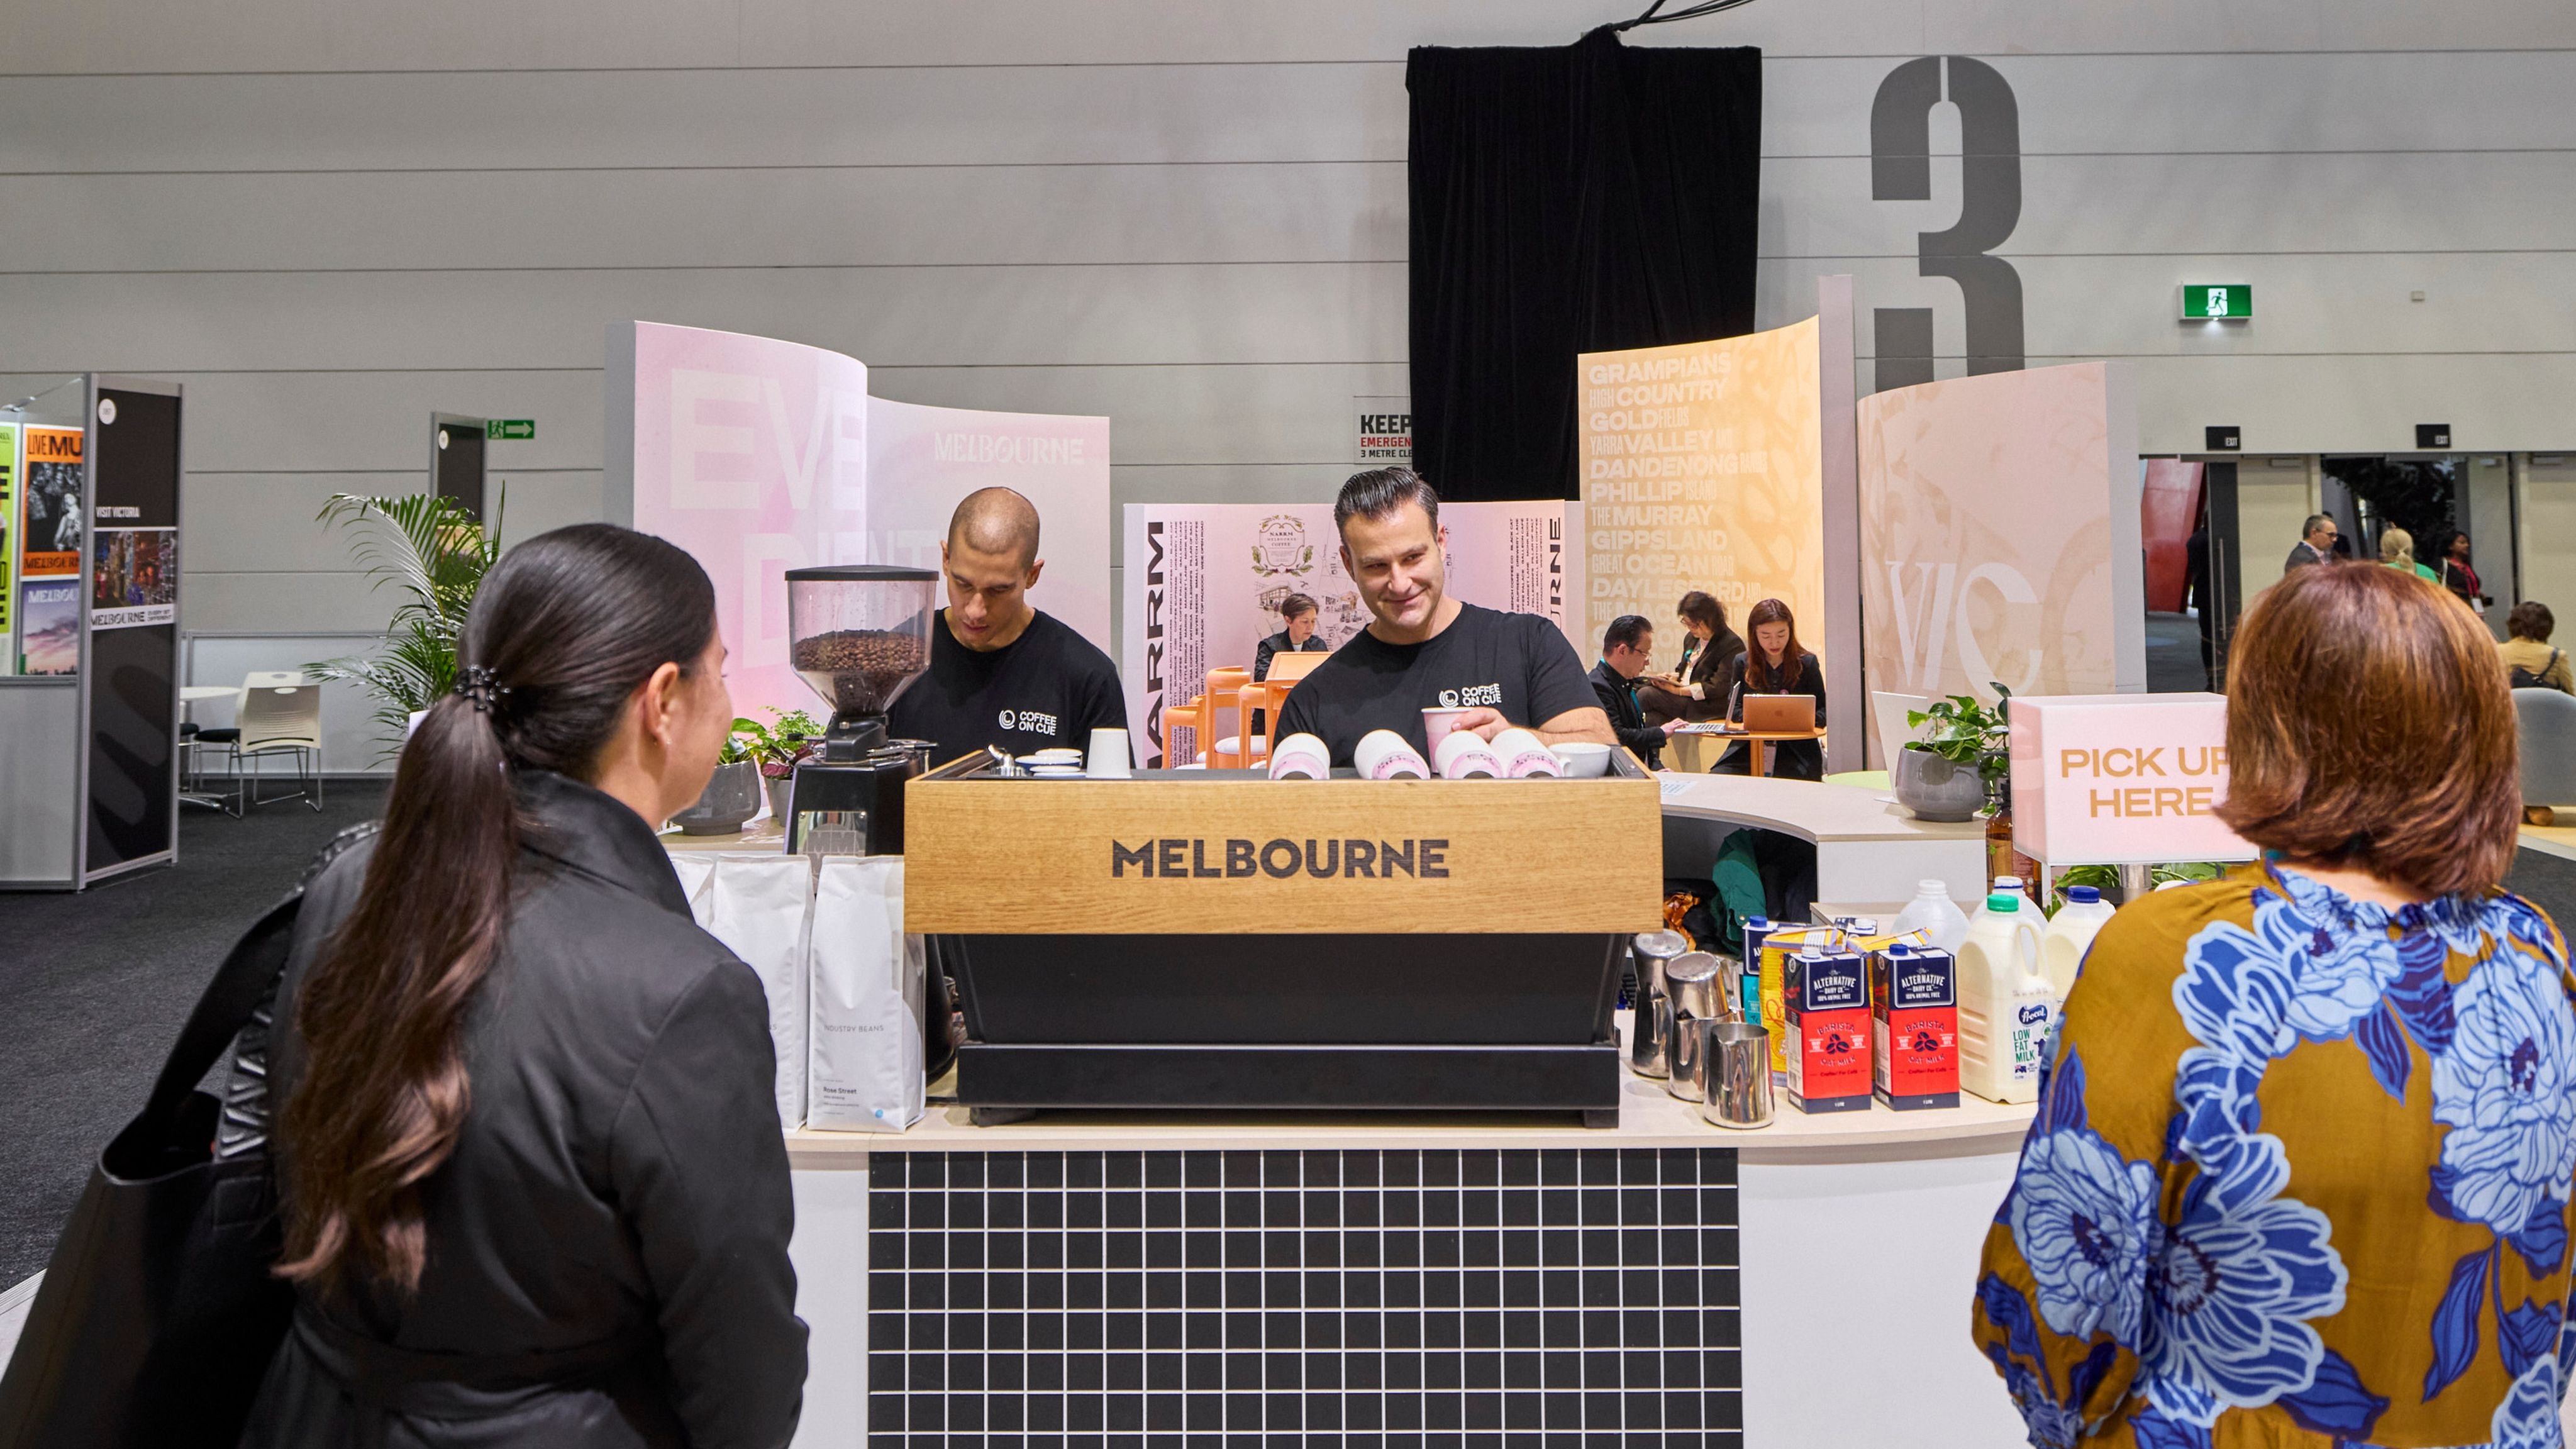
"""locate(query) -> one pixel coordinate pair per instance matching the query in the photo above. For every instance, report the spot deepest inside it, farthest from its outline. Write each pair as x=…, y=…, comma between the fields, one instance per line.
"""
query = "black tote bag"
x=158, y=1314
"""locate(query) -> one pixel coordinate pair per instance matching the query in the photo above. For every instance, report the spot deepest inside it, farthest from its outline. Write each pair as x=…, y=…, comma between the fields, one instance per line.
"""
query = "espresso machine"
x=859, y=634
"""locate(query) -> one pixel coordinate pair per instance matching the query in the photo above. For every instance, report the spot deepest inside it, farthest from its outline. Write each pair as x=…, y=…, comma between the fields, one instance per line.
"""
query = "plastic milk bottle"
x=1933, y=907
x=2070, y=934
x=2006, y=1005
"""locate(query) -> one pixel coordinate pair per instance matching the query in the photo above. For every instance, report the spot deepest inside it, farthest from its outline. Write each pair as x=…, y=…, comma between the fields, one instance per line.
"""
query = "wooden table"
x=1757, y=740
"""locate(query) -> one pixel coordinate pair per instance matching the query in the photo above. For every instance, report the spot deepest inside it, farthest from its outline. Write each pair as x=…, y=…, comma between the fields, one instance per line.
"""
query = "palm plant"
x=435, y=552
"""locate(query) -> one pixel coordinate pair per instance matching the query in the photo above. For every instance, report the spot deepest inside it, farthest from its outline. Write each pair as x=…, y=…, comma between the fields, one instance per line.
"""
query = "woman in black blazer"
x=534, y=1186
x=1695, y=689
x=1774, y=665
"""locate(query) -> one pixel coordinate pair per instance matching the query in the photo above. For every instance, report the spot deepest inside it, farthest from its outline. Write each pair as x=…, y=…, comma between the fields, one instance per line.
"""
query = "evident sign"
x=516, y=429
x=2121, y=779
x=2217, y=301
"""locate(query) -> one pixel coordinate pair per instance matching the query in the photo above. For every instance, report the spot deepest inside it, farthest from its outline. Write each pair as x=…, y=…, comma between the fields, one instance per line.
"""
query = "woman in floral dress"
x=2300, y=1174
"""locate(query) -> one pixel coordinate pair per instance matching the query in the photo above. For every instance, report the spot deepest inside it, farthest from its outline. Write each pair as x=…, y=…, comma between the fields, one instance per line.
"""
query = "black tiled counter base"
x=1365, y=1299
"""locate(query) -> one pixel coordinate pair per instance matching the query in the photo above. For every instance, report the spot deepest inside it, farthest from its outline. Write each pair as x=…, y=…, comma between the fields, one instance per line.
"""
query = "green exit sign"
x=510, y=428
x=2215, y=301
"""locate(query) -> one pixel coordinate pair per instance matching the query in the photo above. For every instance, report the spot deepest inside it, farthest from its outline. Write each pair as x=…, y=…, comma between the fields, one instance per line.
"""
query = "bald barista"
x=1425, y=650
x=1002, y=672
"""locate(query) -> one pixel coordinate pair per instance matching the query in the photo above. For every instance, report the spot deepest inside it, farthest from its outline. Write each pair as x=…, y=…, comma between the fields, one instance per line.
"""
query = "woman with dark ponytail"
x=534, y=1185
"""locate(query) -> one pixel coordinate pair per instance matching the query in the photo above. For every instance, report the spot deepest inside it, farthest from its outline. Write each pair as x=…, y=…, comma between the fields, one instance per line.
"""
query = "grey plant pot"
x=1935, y=789
x=732, y=796
x=778, y=791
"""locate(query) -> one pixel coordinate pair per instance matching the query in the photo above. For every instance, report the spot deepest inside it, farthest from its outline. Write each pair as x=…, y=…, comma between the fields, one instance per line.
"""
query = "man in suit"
x=1627, y=647
x=2316, y=544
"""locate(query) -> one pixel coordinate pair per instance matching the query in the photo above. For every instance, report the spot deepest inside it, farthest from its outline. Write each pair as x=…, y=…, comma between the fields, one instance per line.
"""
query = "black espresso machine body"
x=863, y=797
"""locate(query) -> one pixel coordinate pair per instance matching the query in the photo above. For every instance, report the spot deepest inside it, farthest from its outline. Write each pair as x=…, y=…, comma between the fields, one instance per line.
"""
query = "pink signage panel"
x=2121, y=779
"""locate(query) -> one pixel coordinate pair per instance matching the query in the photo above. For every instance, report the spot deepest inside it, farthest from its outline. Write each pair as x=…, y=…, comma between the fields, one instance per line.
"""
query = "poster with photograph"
x=8, y=525
x=1204, y=582
x=135, y=579
x=49, y=540
x=49, y=626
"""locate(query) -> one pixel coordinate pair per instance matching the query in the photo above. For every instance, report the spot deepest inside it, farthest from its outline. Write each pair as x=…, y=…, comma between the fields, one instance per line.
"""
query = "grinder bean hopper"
x=860, y=635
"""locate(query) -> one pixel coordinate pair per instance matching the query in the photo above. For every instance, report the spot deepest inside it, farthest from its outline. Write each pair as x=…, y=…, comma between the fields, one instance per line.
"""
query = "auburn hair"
x=2369, y=728
x=570, y=624
x=1758, y=674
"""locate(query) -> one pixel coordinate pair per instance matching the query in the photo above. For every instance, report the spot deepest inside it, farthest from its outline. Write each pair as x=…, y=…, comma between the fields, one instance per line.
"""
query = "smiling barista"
x=1001, y=672
x=1424, y=650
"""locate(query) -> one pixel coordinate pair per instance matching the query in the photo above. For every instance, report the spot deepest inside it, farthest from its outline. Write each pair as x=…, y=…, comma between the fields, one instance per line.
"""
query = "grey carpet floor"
x=94, y=988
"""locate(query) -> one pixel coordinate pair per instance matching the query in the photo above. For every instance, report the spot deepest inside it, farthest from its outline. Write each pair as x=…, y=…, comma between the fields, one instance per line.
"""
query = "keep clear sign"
x=1386, y=431
x=2121, y=779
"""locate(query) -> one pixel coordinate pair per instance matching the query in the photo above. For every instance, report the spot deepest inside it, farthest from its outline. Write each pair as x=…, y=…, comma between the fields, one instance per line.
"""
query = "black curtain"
x=1565, y=200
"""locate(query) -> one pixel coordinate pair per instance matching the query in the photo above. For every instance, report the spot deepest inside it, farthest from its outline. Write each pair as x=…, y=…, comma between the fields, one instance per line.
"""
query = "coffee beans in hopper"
x=860, y=669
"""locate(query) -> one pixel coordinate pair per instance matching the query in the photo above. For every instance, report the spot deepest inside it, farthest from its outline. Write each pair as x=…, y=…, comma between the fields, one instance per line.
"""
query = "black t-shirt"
x=1516, y=663
x=1048, y=687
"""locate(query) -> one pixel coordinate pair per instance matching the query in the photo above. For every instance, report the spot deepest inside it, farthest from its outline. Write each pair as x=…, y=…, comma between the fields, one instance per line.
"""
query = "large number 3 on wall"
x=1900, y=169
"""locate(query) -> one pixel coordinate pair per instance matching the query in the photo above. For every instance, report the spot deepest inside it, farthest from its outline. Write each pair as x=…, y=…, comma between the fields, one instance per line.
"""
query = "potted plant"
x=777, y=749
x=732, y=795
x=1958, y=764
x=435, y=552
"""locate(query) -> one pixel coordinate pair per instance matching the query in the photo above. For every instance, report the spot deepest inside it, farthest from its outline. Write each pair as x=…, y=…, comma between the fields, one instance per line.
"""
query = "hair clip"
x=480, y=688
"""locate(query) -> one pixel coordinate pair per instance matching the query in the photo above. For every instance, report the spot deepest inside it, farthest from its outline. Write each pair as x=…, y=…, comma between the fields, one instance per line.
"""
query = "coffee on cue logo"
x=1189, y=859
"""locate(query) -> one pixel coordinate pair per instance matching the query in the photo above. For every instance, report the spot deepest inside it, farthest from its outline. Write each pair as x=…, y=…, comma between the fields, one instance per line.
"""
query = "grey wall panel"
x=1181, y=413
x=2124, y=306
x=915, y=216
x=269, y=523
x=428, y=320
x=2285, y=203
x=2208, y=103
x=280, y=601
x=377, y=421
x=875, y=115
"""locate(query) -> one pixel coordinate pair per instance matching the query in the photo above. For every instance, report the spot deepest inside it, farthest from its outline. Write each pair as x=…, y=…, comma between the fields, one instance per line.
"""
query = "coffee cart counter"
x=1379, y=1278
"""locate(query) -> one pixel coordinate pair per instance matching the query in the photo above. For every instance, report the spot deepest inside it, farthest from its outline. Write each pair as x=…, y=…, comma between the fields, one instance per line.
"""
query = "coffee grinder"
x=860, y=635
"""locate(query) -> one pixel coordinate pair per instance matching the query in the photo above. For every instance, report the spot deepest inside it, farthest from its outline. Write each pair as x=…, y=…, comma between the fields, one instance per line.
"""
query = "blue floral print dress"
x=2300, y=1176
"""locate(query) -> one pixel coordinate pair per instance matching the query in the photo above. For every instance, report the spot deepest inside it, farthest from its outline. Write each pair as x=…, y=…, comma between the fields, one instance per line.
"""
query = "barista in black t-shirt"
x=1425, y=650
x=1001, y=672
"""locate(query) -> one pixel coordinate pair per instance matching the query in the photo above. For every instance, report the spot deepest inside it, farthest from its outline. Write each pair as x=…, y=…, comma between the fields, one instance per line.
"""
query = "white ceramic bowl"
x=1582, y=759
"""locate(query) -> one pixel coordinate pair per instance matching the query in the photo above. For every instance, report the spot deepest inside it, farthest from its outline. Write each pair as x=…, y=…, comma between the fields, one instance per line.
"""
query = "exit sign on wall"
x=510, y=428
x=2216, y=301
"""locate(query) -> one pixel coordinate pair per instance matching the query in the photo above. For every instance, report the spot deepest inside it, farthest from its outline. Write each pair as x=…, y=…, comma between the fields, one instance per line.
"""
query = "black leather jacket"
x=608, y=1245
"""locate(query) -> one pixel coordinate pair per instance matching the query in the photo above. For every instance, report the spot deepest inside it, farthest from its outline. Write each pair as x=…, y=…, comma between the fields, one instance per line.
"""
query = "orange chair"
x=1262, y=698
x=1223, y=692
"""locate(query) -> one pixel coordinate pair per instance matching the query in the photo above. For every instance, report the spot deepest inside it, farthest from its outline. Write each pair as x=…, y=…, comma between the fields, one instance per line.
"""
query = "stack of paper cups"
x=1301, y=757
x=1108, y=758
x=1522, y=754
x=1384, y=755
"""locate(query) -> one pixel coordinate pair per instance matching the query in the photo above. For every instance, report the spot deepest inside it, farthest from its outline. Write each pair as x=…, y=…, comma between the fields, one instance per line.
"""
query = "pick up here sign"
x=2121, y=779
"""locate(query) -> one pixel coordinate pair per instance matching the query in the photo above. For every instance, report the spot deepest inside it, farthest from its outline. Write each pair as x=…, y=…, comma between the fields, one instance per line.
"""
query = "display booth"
x=1999, y=536
x=759, y=455
x=1204, y=582
x=89, y=584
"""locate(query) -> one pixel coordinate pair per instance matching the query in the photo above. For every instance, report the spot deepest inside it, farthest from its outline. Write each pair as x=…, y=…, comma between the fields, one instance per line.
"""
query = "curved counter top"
x=1870, y=851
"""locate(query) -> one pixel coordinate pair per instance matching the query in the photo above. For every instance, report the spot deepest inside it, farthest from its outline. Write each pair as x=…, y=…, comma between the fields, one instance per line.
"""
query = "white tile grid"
x=1649, y=1317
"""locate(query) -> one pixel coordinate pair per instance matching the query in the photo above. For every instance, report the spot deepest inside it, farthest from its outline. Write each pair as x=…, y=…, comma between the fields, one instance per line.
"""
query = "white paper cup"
x=1385, y=755
x=1436, y=725
x=1462, y=756
x=1301, y=757
x=1108, y=759
x=1524, y=755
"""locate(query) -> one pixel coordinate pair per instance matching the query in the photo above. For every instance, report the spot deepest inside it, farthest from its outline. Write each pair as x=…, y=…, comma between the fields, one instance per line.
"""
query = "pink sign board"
x=2121, y=779
x=759, y=455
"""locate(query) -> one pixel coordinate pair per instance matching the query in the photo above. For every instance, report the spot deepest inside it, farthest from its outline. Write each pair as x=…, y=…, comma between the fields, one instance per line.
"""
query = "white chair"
x=276, y=719
x=2546, y=720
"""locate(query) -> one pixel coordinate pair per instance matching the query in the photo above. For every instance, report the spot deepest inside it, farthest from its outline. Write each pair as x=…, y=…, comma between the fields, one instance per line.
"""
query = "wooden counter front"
x=1169, y=854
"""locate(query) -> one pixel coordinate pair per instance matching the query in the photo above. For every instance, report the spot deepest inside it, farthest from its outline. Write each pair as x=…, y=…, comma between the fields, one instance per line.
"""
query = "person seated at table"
x=1423, y=649
x=1687, y=693
x=1775, y=664
x=1299, y=613
x=1627, y=647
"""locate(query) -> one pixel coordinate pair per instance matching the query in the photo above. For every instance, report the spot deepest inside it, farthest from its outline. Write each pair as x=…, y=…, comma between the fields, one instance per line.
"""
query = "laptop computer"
x=1779, y=713
x=1284, y=667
